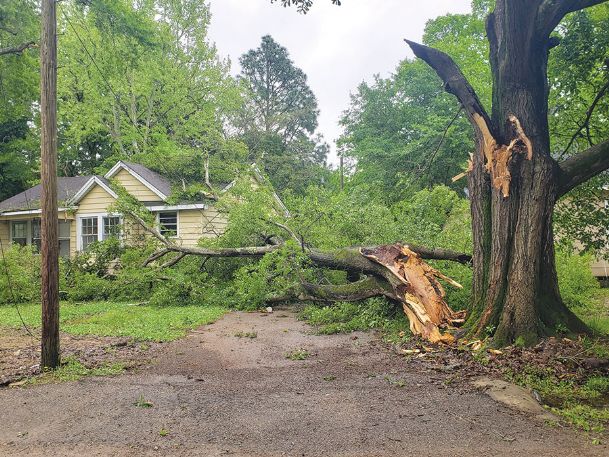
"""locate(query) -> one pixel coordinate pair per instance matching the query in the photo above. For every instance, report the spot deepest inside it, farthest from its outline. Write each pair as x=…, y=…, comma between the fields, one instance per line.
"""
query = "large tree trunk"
x=515, y=281
x=514, y=182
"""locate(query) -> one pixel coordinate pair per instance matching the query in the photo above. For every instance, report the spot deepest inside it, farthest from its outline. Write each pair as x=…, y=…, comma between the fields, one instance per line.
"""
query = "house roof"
x=151, y=179
x=70, y=190
x=67, y=187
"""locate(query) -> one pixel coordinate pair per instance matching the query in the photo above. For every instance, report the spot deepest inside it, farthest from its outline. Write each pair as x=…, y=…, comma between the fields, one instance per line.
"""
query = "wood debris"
x=416, y=285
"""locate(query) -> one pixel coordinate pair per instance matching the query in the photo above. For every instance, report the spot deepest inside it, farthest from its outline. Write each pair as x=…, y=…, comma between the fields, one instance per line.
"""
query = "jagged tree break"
x=514, y=181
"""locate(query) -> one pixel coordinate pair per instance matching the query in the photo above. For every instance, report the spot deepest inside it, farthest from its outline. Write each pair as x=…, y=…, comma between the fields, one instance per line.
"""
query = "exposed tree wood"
x=49, y=225
x=17, y=49
x=583, y=166
x=417, y=287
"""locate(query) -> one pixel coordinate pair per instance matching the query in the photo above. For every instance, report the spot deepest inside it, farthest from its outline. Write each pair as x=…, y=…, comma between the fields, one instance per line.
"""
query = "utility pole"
x=48, y=159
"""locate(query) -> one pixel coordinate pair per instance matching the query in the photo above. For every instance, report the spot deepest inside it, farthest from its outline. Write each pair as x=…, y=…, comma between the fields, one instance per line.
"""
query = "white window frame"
x=100, y=227
x=158, y=223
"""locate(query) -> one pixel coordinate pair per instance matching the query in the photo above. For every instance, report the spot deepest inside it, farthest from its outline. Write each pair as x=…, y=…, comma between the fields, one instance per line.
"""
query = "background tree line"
x=140, y=81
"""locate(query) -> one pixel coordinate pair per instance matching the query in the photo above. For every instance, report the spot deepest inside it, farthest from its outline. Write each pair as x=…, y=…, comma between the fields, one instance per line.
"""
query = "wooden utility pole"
x=49, y=222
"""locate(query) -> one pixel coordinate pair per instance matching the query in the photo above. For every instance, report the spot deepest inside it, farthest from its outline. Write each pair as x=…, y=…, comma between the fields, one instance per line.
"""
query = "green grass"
x=297, y=354
x=118, y=319
x=596, y=312
x=72, y=370
x=348, y=317
x=584, y=405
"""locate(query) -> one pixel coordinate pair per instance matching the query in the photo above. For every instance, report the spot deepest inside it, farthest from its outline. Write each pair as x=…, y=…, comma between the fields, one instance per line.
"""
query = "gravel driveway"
x=214, y=393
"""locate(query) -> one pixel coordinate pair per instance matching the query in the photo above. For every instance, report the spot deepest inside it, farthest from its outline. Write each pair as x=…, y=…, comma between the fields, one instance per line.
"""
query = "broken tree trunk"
x=416, y=286
x=395, y=271
x=514, y=181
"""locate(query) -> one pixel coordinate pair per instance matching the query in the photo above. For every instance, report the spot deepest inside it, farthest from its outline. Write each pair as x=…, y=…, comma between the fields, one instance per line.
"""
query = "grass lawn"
x=118, y=319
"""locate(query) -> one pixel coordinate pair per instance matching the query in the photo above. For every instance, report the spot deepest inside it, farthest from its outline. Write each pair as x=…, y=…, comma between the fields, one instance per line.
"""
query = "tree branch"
x=586, y=124
x=551, y=12
x=581, y=167
x=360, y=290
x=17, y=49
x=456, y=84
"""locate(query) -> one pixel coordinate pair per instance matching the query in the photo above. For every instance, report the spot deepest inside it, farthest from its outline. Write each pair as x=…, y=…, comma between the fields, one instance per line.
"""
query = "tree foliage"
x=280, y=118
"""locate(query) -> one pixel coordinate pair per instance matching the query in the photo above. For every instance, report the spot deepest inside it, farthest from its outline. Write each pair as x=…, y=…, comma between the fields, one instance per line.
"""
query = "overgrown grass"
x=596, y=312
x=118, y=319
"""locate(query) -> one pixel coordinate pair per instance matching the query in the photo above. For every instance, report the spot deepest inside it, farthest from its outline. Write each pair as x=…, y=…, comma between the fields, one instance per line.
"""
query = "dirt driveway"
x=214, y=393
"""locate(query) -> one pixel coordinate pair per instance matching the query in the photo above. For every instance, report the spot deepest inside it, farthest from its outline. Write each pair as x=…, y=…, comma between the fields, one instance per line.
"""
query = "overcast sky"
x=337, y=47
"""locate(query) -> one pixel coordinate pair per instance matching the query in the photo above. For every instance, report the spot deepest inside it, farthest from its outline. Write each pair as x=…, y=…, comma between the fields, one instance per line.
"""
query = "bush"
x=19, y=275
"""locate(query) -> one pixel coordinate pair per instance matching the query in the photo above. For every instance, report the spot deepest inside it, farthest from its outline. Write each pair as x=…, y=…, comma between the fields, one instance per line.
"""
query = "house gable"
x=135, y=187
x=96, y=200
x=133, y=178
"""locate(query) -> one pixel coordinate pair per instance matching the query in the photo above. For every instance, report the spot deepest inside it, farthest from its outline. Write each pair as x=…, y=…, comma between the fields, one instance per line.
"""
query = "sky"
x=338, y=47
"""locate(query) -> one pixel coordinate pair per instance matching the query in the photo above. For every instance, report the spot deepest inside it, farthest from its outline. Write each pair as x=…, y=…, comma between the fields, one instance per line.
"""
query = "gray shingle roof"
x=30, y=199
x=158, y=181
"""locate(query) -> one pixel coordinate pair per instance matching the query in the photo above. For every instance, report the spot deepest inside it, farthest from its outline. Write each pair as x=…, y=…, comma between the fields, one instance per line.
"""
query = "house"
x=85, y=211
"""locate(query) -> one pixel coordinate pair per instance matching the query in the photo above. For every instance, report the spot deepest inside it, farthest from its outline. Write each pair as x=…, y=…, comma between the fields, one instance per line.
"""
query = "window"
x=36, y=236
x=64, y=238
x=168, y=223
x=89, y=231
x=112, y=227
x=19, y=232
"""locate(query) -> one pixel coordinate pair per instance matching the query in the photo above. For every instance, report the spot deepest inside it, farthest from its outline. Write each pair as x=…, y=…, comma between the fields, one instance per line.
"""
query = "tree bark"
x=17, y=49
x=514, y=182
x=49, y=221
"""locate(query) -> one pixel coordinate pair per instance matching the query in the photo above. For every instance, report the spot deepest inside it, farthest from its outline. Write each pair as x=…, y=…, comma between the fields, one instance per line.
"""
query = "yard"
x=98, y=338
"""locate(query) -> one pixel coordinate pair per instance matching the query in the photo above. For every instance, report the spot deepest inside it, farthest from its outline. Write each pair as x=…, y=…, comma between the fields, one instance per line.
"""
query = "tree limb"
x=589, y=113
x=17, y=49
x=456, y=84
x=360, y=290
x=581, y=167
x=551, y=12
x=174, y=261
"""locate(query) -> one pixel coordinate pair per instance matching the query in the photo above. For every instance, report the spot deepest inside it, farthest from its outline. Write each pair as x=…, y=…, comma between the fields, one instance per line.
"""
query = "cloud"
x=337, y=47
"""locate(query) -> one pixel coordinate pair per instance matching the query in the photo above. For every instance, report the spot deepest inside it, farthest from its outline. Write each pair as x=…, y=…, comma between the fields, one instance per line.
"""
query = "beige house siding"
x=5, y=227
x=196, y=224
x=96, y=201
x=600, y=268
x=4, y=233
x=135, y=187
x=214, y=223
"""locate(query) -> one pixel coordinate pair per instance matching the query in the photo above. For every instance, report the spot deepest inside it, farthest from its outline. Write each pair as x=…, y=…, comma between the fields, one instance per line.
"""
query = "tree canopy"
x=280, y=118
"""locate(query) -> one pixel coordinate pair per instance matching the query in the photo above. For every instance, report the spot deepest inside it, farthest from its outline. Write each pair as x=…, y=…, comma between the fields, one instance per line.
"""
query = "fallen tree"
x=397, y=271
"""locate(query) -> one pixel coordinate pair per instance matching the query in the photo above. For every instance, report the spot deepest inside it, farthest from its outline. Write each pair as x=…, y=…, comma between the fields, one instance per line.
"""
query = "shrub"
x=577, y=284
x=19, y=274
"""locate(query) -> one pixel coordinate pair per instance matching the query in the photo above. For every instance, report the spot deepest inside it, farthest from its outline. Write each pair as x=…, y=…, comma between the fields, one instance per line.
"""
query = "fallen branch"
x=395, y=271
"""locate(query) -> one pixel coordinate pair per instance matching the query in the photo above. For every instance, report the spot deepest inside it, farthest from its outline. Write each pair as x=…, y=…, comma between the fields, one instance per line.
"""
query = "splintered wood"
x=497, y=158
x=416, y=285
